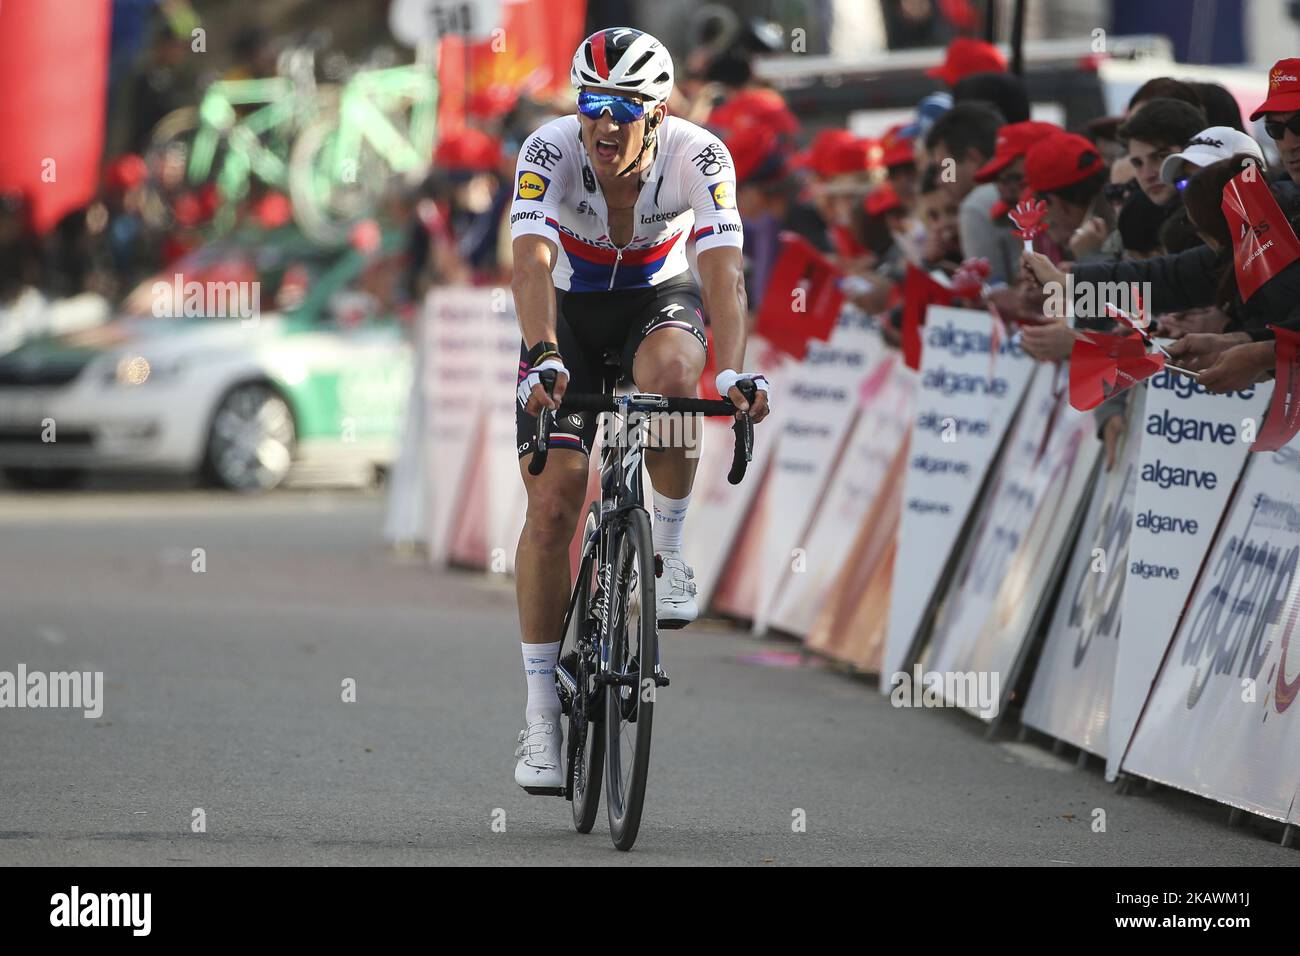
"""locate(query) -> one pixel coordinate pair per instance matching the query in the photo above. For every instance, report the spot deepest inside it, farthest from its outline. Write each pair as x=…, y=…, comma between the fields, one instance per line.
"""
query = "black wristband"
x=541, y=348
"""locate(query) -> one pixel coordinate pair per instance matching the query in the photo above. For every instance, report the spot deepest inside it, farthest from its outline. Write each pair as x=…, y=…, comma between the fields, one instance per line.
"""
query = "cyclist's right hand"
x=532, y=393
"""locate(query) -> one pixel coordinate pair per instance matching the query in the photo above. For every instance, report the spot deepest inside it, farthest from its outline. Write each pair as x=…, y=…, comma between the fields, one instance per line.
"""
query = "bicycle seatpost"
x=538, y=462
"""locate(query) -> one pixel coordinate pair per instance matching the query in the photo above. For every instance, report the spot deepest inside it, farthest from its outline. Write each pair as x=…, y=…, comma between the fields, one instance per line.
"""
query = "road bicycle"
x=241, y=130
x=609, y=669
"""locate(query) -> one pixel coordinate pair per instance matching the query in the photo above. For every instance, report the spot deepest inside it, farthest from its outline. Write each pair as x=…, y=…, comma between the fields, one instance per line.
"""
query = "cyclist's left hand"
x=726, y=386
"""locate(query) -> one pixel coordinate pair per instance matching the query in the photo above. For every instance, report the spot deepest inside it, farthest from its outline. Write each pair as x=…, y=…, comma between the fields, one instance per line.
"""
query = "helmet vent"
x=645, y=58
x=586, y=50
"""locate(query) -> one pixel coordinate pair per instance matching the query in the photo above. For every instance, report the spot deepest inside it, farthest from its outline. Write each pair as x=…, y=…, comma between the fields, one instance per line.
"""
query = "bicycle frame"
x=622, y=488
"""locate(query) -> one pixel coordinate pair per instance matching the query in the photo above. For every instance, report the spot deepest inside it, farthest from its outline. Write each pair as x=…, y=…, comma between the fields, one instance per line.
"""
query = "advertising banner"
x=1222, y=720
x=823, y=392
x=1070, y=697
x=453, y=365
x=1018, y=546
x=720, y=511
x=884, y=417
x=966, y=399
x=849, y=625
x=1191, y=455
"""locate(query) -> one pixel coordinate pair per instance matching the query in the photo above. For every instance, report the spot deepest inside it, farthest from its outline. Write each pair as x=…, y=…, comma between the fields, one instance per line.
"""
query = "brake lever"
x=544, y=422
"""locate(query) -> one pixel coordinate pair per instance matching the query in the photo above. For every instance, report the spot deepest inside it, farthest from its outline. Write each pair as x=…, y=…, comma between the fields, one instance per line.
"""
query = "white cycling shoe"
x=540, y=769
x=675, y=592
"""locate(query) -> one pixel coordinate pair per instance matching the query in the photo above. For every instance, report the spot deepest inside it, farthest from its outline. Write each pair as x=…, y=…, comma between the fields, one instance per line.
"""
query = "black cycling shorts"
x=590, y=324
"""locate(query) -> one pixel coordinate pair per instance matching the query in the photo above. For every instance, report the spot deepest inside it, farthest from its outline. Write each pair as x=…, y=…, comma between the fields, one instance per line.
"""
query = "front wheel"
x=250, y=444
x=630, y=693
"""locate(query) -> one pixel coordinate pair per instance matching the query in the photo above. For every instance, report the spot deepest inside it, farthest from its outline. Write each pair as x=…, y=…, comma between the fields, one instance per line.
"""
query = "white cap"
x=1208, y=147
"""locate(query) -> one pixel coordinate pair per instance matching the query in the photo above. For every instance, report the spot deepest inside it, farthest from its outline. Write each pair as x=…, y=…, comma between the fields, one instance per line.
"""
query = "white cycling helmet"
x=625, y=59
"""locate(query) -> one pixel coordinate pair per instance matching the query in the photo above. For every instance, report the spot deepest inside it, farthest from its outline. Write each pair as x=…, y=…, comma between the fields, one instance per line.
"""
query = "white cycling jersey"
x=688, y=192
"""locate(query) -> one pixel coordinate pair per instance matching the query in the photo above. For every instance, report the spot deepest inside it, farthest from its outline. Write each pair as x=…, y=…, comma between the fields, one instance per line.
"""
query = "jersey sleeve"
x=712, y=193
x=541, y=179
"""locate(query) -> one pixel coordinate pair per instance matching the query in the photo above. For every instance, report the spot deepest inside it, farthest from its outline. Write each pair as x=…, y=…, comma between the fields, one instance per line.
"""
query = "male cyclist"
x=605, y=204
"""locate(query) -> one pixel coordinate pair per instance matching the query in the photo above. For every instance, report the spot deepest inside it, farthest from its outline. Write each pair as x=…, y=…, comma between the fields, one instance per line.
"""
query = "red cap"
x=1014, y=141
x=753, y=108
x=897, y=149
x=881, y=200
x=125, y=172
x=834, y=152
x=1283, y=89
x=751, y=149
x=468, y=150
x=1060, y=160
x=966, y=57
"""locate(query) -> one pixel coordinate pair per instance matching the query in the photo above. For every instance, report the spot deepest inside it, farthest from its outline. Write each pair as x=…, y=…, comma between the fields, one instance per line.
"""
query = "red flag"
x=919, y=293
x=53, y=74
x=802, y=299
x=1102, y=365
x=1283, y=419
x=1263, y=243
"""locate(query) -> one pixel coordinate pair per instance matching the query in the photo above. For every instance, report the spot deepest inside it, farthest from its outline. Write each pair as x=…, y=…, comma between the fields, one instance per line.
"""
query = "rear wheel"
x=630, y=697
x=584, y=734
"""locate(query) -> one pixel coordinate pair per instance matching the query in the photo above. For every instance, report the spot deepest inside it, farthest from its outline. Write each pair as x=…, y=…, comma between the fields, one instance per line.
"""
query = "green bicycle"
x=241, y=129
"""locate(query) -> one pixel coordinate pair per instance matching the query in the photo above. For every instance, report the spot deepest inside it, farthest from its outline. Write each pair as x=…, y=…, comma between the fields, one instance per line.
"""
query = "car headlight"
x=132, y=370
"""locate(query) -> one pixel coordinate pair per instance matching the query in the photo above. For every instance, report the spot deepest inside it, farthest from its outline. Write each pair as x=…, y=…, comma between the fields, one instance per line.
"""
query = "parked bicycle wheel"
x=334, y=184
x=583, y=734
x=629, y=698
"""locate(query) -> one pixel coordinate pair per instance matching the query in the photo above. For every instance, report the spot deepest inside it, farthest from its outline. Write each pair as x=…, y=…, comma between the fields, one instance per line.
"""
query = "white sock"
x=539, y=668
x=670, y=516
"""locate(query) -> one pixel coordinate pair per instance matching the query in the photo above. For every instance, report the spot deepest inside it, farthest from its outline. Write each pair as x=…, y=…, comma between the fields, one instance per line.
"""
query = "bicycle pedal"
x=545, y=791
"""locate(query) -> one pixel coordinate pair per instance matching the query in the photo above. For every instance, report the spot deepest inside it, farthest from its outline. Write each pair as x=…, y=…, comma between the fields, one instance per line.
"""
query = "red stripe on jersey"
x=598, y=54
x=604, y=256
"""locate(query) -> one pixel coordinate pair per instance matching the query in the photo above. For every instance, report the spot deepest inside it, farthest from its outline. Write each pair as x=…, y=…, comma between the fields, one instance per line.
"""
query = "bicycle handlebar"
x=743, y=428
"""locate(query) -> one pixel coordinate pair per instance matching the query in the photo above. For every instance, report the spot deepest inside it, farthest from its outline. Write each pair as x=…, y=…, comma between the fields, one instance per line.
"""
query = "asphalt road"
x=223, y=692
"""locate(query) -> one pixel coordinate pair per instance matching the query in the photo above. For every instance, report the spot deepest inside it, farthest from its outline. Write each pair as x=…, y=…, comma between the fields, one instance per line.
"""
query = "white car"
x=241, y=399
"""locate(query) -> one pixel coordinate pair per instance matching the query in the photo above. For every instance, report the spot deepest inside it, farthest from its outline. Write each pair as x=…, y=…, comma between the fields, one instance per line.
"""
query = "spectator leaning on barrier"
x=1067, y=173
x=839, y=166
x=938, y=211
x=1156, y=131
x=1006, y=171
x=898, y=156
x=1207, y=147
x=960, y=143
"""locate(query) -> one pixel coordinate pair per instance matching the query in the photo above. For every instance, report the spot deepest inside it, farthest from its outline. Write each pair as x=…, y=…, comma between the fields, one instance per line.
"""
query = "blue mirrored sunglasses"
x=621, y=108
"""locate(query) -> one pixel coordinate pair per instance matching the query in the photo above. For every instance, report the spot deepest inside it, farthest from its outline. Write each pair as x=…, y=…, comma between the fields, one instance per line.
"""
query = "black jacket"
x=1190, y=280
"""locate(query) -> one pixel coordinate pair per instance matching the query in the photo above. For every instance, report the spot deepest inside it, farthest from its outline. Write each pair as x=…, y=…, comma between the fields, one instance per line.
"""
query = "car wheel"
x=44, y=479
x=251, y=441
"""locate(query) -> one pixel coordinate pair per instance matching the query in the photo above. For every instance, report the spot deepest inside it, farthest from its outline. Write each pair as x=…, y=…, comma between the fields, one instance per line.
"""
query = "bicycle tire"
x=630, y=707
x=586, y=760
